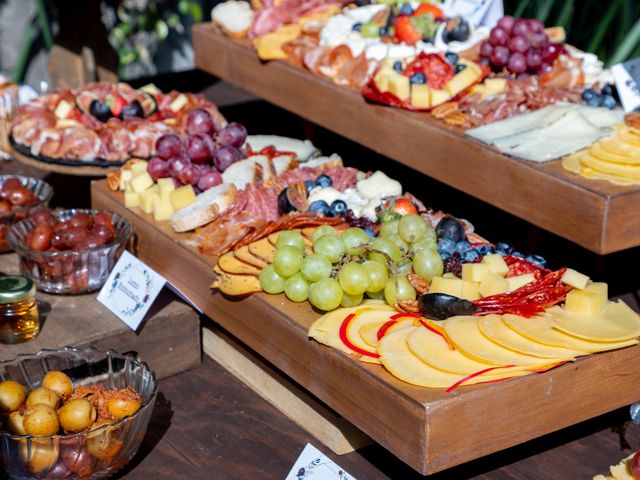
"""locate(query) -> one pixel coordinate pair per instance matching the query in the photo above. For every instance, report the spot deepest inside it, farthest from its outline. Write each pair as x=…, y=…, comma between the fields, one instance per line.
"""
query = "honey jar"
x=19, y=319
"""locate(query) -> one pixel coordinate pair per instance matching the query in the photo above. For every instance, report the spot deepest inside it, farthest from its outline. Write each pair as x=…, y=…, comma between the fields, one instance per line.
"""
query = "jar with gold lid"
x=19, y=319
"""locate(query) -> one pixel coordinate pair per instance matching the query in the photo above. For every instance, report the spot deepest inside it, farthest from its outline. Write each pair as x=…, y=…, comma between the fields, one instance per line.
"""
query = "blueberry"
x=418, y=78
x=589, y=94
x=460, y=67
x=356, y=27
x=504, y=248
x=369, y=232
x=517, y=254
x=452, y=57
x=405, y=9
x=609, y=102
x=384, y=31
x=485, y=249
x=538, y=260
x=462, y=246
x=324, y=181
x=428, y=39
x=309, y=185
x=607, y=90
x=338, y=208
x=469, y=256
x=446, y=245
x=397, y=66
x=320, y=207
x=444, y=255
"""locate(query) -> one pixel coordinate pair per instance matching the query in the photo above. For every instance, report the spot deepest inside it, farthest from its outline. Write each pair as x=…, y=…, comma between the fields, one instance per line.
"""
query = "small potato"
x=15, y=423
x=59, y=383
x=103, y=444
x=122, y=408
x=12, y=396
x=41, y=420
x=43, y=395
x=76, y=415
x=41, y=456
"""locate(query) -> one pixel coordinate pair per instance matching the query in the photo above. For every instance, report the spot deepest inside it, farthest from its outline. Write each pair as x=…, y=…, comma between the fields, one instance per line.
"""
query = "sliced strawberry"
x=118, y=104
x=429, y=8
x=405, y=31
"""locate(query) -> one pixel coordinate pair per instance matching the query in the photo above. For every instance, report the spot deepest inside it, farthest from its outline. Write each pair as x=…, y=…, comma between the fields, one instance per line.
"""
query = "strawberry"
x=405, y=31
x=116, y=103
x=404, y=206
x=429, y=8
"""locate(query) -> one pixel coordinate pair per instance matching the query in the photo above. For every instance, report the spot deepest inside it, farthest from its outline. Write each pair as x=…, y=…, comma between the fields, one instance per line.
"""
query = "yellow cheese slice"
x=465, y=333
x=540, y=329
x=598, y=151
x=627, y=136
x=616, y=146
x=616, y=322
x=369, y=332
x=493, y=327
x=632, y=171
x=363, y=317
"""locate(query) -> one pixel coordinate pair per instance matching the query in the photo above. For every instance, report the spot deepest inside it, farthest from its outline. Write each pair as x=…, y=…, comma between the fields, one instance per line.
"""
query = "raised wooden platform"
x=426, y=428
x=597, y=215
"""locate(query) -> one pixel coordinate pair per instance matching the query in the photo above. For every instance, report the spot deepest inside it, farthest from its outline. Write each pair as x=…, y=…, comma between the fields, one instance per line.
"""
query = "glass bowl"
x=85, y=455
x=40, y=188
x=69, y=272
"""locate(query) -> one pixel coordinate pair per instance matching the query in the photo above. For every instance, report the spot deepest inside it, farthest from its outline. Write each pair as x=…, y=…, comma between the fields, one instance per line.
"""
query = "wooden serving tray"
x=598, y=215
x=427, y=428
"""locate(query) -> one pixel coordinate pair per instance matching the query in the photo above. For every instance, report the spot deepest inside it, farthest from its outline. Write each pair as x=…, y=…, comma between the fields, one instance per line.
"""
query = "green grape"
x=270, y=281
x=387, y=246
x=370, y=30
x=402, y=245
x=430, y=234
x=428, y=264
x=287, y=261
x=412, y=228
x=405, y=268
x=289, y=237
x=424, y=244
x=389, y=227
x=377, y=274
x=353, y=279
x=350, y=300
x=329, y=246
x=323, y=230
x=376, y=295
x=402, y=291
x=296, y=288
x=354, y=240
x=315, y=267
x=326, y=294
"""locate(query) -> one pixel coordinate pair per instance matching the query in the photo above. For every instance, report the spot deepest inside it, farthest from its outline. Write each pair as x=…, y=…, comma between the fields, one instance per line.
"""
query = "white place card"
x=131, y=289
x=312, y=464
x=478, y=12
x=627, y=78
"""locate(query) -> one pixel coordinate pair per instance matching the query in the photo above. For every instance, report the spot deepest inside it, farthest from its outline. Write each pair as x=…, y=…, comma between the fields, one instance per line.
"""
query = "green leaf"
x=544, y=9
x=162, y=29
x=630, y=41
x=127, y=56
x=566, y=14
x=184, y=7
x=603, y=27
x=196, y=12
x=522, y=6
x=173, y=20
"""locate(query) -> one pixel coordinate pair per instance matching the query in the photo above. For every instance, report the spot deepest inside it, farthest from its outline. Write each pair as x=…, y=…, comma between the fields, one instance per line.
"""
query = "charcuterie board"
x=597, y=215
x=427, y=428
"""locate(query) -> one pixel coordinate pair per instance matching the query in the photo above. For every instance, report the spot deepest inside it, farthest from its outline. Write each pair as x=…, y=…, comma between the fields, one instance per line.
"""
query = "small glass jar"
x=19, y=320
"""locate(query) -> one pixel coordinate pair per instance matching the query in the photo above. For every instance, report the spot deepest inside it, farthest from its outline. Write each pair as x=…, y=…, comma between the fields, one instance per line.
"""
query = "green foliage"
x=610, y=29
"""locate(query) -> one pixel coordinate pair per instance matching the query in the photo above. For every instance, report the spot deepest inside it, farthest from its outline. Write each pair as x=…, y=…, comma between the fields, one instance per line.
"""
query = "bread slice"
x=233, y=17
x=244, y=172
x=303, y=149
x=207, y=206
x=284, y=163
x=334, y=161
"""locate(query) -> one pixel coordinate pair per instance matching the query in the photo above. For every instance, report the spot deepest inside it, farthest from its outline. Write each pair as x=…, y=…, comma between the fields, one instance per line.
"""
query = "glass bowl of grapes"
x=69, y=251
x=72, y=413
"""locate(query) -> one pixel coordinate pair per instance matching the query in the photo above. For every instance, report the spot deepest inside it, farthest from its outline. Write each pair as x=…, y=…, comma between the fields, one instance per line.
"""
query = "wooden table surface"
x=208, y=425
x=595, y=214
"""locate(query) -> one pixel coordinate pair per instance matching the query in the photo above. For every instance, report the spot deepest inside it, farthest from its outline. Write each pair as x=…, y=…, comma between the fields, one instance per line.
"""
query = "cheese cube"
x=181, y=197
x=420, y=96
x=438, y=97
x=139, y=167
x=147, y=199
x=178, y=103
x=462, y=81
x=493, y=284
x=575, y=279
x=495, y=86
x=519, y=281
x=141, y=182
x=125, y=178
x=470, y=290
x=474, y=272
x=387, y=63
x=584, y=302
x=162, y=209
x=448, y=275
x=600, y=288
x=166, y=186
x=450, y=286
x=131, y=199
x=496, y=264
x=399, y=85
x=63, y=109
x=382, y=80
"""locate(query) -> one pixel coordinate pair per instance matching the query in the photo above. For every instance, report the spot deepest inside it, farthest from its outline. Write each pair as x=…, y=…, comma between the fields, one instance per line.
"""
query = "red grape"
x=158, y=168
x=499, y=56
x=534, y=60
x=199, y=121
x=209, y=179
x=520, y=27
x=189, y=175
x=498, y=36
x=545, y=67
x=233, y=135
x=200, y=148
x=168, y=145
x=485, y=49
x=635, y=465
x=72, y=236
x=551, y=52
x=176, y=164
x=517, y=63
x=103, y=232
x=81, y=220
x=535, y=25
x=42, y=216
x=484, y=61
x=538, y=40
x=519, y=44
x=225, y=156
x=506, y=23
x=57, y=241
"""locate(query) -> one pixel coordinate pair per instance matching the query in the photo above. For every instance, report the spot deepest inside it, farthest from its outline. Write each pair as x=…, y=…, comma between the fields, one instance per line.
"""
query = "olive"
x=15, y=423
x=20, y=196
x=45, y=396
x=40, y=456
x=58, y=242
x=450, y=228
x=72, y=236
x=41, y=420
x=10, y=184
x=103, y=232
x=59, y=383
x=133, y=109
x=4, y=206
x=440, y=306
x=81, y=220
x=100, y=110
x=102, y=218
x=89, y=242
x=40, y=237
x=76, y=415
x=121, y=408
x=12, y=395
x=103, y=444
x=42, y=216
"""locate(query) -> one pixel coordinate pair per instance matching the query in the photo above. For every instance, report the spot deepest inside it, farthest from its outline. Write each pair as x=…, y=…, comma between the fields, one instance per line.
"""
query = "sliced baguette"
x=244, y=172
x=207, y=206
x=334, y=161
x=303, y=149
x=284, y=163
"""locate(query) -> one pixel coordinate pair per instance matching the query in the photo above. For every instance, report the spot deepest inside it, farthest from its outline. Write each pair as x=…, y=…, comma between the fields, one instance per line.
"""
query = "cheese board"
x=596, y=215
x=429, y=429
